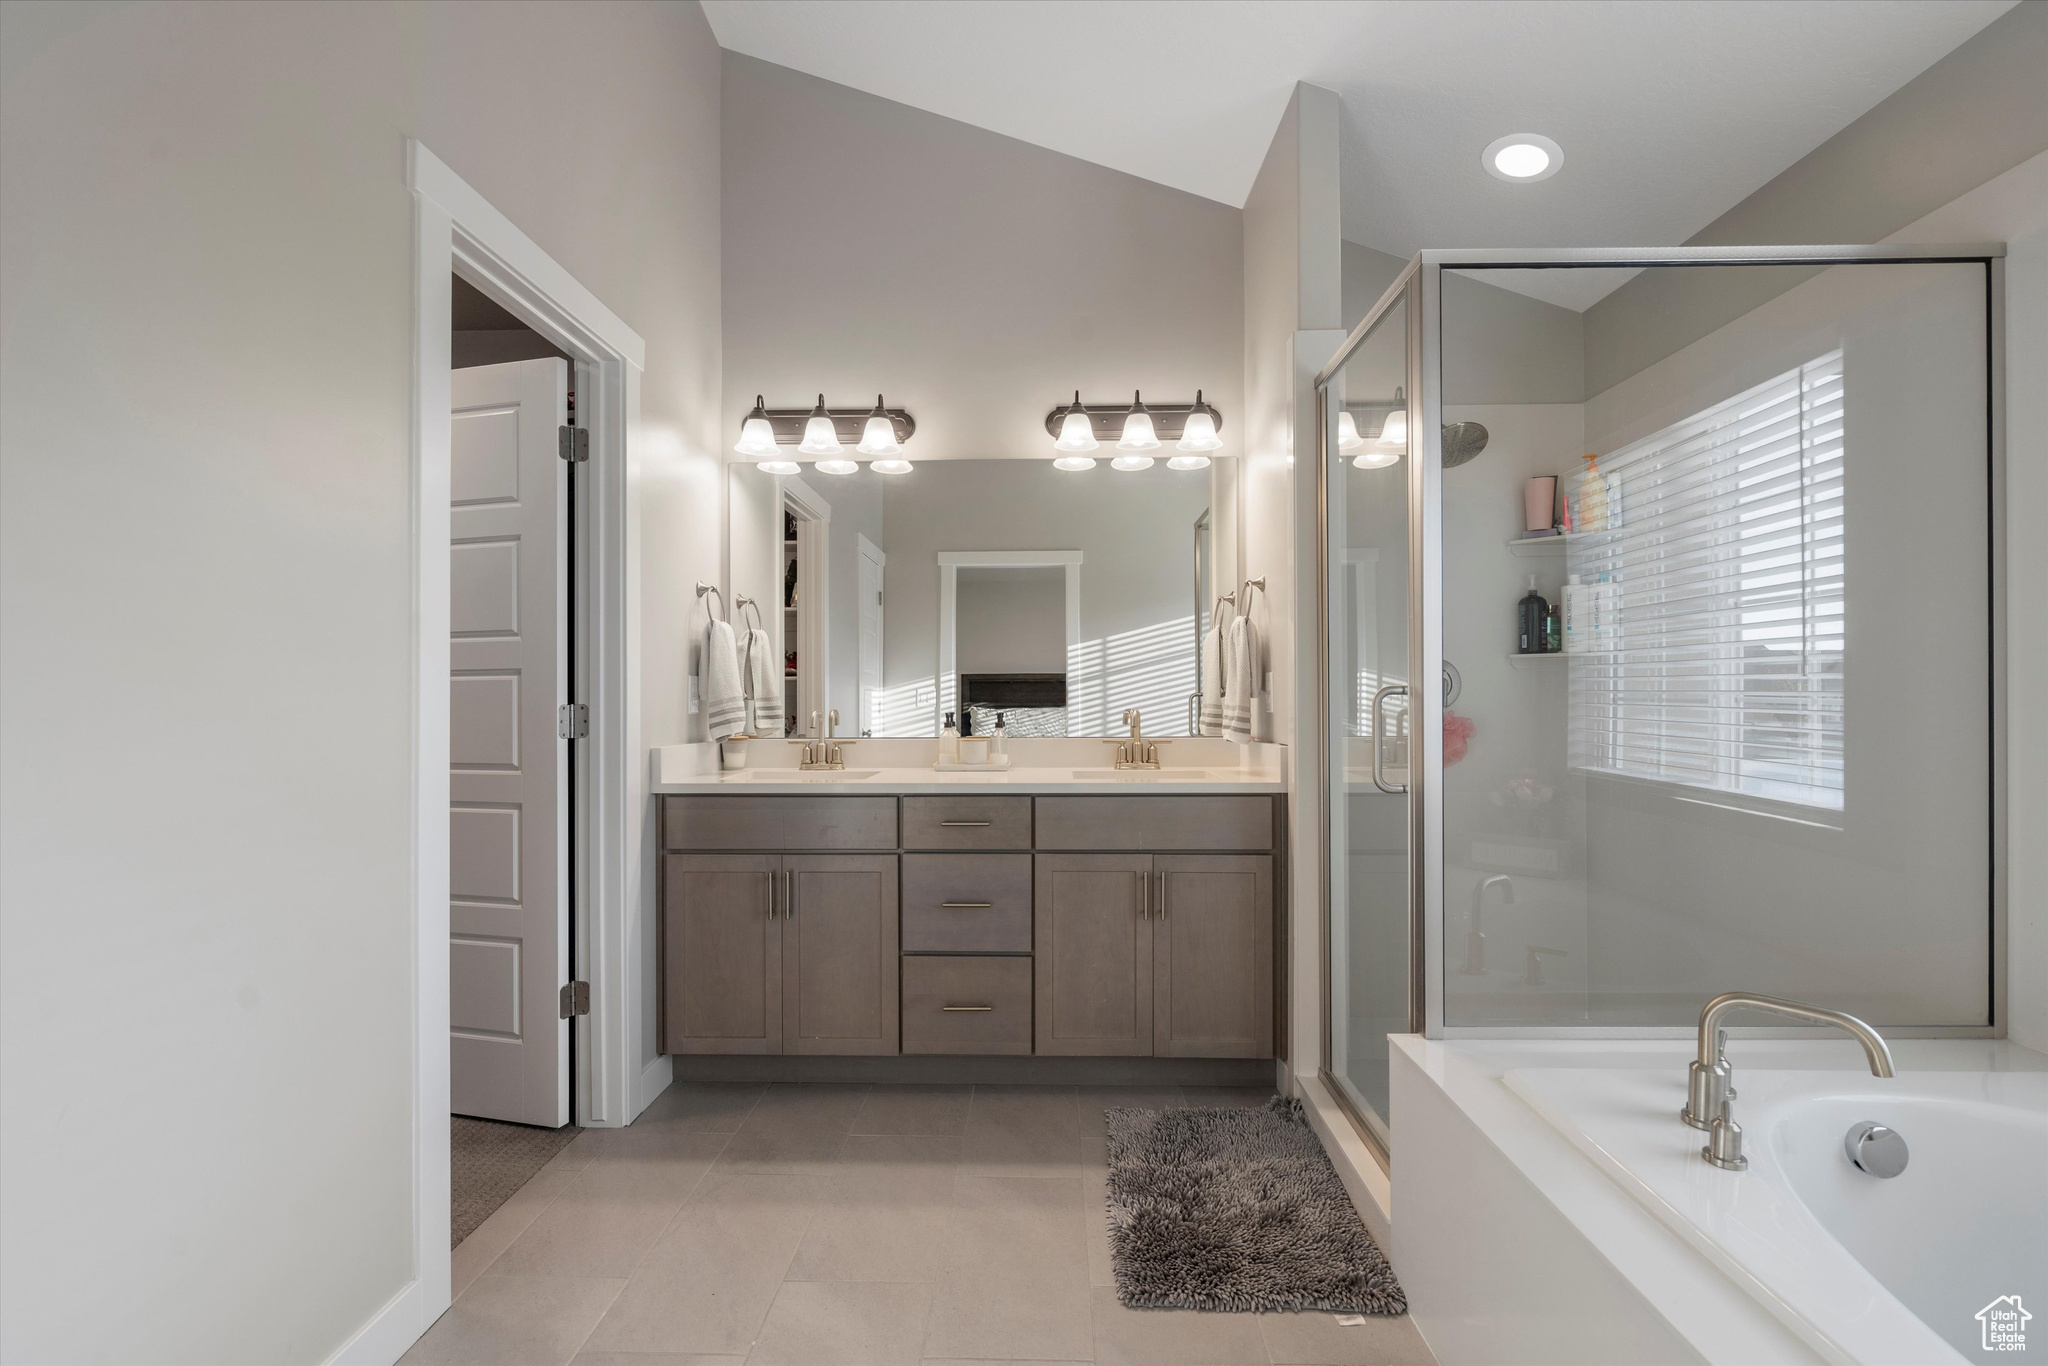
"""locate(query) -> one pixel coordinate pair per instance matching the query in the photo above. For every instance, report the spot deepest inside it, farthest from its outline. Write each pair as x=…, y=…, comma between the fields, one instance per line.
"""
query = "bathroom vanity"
x=897, y=912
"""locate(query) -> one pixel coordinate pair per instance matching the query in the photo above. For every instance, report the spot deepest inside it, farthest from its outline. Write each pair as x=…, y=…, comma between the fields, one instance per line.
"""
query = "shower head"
x=1462, y=442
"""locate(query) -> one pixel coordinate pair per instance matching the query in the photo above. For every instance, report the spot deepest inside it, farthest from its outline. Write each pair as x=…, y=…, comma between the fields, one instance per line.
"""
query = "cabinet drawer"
x=1172, y=824
x=966, y=822
x=967, y=903
x=967, y=1005
x=818, y=823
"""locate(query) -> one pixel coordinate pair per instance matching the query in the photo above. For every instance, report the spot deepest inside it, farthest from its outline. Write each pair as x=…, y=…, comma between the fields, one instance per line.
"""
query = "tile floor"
x=813, y=1225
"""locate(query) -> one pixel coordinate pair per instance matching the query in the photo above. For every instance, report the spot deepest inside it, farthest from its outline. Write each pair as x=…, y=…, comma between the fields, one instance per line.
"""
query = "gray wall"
x=975, y=279
x=1011, y=621
x=207, y=1052
x=1974, y=114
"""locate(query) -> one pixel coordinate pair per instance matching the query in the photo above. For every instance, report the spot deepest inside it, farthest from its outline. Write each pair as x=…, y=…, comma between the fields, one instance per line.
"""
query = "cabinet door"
x=839, y=954
x=721, y=954
x=1092, y=935
x=1212, y=956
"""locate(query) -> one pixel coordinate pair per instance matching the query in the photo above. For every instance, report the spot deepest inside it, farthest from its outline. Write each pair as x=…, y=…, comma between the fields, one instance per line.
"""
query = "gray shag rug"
x=1238, y=1210
x=489, y=1161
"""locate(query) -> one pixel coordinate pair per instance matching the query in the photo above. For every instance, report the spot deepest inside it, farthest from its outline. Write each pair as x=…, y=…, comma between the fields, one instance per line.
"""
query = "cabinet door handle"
x=789, y=895
x=1162, y=896
x=975, y=825
x=1145, y=897
x=965, y=905
x=969, y=1008
x=774, y=891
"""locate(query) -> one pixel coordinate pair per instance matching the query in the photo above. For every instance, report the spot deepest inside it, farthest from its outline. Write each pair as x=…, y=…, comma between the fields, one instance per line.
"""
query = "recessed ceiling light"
x=1522, y=157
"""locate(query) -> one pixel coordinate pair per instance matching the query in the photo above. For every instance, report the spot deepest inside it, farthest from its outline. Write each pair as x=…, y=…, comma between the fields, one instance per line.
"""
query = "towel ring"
x=747, y=604
x=712, y=589
x=1249, y=584
x=1216, y=609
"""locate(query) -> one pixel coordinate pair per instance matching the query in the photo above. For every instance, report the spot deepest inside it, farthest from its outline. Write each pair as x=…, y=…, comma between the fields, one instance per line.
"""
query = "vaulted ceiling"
x=1669, y=113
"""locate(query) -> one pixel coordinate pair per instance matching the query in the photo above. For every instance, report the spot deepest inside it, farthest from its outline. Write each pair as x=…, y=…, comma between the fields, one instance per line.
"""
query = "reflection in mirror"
x=982, y=587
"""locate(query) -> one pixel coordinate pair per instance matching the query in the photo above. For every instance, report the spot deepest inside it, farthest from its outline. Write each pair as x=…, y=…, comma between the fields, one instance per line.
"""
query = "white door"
x=870, y=680
x=508, y=876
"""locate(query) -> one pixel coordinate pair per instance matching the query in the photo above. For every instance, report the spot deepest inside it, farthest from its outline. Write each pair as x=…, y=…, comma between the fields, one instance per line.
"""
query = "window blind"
x=1718, y=660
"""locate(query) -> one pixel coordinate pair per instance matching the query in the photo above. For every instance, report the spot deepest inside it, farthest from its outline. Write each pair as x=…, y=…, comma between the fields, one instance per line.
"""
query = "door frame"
x=950, y=564
x=456, y=230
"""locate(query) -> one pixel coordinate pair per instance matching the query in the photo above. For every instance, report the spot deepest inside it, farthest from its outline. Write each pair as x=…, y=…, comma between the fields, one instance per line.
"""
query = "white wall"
x=975, y=279
x=1011, y=621
x=206, y=1059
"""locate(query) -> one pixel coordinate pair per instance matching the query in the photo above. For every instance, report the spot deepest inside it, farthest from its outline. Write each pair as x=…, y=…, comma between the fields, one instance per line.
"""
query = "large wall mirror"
x=1058, y=599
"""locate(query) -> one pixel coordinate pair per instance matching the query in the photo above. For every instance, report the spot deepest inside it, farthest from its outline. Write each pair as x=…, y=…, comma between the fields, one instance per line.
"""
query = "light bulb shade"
x=838, y=467
x=1188, y=462
x=1376, y=460
x=820, y=437
x=879, y=437
x=779, y=467
x=1138, y=435
x=757, y=434
x=1348, y=438
x=1130, y=463
x=1395, y=432
x=1074, y=464
x=1200, y=433
x=897, y=466
x=1076, y=433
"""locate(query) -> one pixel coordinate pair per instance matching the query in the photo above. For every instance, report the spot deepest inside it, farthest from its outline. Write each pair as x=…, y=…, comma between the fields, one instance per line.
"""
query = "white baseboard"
x=1361, y=1172
x=389, y=1334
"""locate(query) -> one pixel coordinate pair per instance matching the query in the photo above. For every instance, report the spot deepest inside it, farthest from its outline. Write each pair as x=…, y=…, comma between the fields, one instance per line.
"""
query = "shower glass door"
x=1367, y=515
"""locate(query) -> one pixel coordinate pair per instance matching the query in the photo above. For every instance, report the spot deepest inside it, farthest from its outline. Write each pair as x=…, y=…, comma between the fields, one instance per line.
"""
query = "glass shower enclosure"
x=1660, y=596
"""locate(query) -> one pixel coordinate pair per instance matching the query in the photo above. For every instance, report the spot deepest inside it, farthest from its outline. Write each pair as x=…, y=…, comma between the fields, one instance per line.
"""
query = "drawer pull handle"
x=965, y=905
x=977, y=825
x=966, y=1007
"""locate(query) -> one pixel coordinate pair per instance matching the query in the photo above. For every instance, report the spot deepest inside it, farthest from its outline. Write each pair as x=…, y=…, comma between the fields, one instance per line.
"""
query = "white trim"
x=390, y=1331
x=456, y=230
x=950, y=564
x=869, y=550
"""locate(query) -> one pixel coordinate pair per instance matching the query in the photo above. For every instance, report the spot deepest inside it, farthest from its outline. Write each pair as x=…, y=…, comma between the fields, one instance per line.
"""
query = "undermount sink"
x=823, y=775
x=1147, y=775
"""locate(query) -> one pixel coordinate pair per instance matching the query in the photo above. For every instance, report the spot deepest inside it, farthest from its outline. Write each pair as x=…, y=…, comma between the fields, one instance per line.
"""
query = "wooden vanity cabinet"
x=1164, y=955
x=791, y=953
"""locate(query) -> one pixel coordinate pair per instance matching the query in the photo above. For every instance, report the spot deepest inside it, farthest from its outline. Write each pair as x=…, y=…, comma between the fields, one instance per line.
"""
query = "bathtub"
x=1859, y=1269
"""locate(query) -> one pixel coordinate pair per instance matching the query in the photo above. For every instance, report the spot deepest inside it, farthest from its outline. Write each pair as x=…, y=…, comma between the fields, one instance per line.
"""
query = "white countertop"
x=916, y=781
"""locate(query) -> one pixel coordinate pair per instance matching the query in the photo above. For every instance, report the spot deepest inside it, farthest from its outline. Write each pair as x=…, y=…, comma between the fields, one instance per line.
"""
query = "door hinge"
x=573, y=443
x=575, y=999
x=572, y=721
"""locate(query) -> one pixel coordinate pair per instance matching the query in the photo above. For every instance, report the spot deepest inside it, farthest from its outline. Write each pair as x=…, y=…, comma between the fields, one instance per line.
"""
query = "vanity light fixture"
x=1075, y=434
x=779, y=467
x=838, y=467
x=820, y=436
x=1135, y=426
x=1138, y=434
x=892, y=466
x=757, y=434
x=1394, y=432
x=879, y=436
x=1388, y=448
x=1522, y=157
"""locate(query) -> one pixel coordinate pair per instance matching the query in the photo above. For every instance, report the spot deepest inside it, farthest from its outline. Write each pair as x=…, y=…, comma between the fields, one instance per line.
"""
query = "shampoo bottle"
x=1576, y=612
x=949, y=742
x=1530, y=613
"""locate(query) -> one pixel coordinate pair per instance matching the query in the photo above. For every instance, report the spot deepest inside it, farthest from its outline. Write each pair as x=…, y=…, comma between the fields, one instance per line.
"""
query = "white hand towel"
x=762, y=674
x=725, y=705
x=1214, y=651
x=1240, y=689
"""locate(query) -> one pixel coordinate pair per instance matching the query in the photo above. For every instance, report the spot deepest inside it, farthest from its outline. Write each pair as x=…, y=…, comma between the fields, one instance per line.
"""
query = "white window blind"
x=1718, y=662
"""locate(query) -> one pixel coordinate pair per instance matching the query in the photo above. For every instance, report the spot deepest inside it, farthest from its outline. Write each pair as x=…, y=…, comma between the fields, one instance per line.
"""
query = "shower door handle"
x=1379, y=770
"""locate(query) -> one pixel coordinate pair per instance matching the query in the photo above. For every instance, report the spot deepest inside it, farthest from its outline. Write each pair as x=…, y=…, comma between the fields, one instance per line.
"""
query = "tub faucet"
x=1709, y=1083
x=1475, y=933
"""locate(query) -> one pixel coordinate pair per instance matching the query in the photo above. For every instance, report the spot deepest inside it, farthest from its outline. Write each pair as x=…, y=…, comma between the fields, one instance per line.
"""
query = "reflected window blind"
x=1717, y=660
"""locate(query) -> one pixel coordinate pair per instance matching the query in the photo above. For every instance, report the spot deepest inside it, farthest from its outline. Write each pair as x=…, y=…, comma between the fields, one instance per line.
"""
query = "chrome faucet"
x=1475, y=935
x=1136, y=752
x=1710, y=1091
x=824, y=752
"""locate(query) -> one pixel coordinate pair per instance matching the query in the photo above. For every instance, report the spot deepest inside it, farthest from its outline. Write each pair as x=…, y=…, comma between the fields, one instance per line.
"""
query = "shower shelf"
x=1518, y=659
x=1541, y=545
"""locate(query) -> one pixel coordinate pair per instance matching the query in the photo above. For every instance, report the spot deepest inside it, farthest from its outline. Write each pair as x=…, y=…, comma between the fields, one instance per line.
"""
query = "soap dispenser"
x=949, y=742
x=1530, y=614
x=1001, y=749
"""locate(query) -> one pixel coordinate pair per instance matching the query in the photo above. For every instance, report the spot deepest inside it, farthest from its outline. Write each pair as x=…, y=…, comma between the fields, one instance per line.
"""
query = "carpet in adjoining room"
x=489, y=1162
